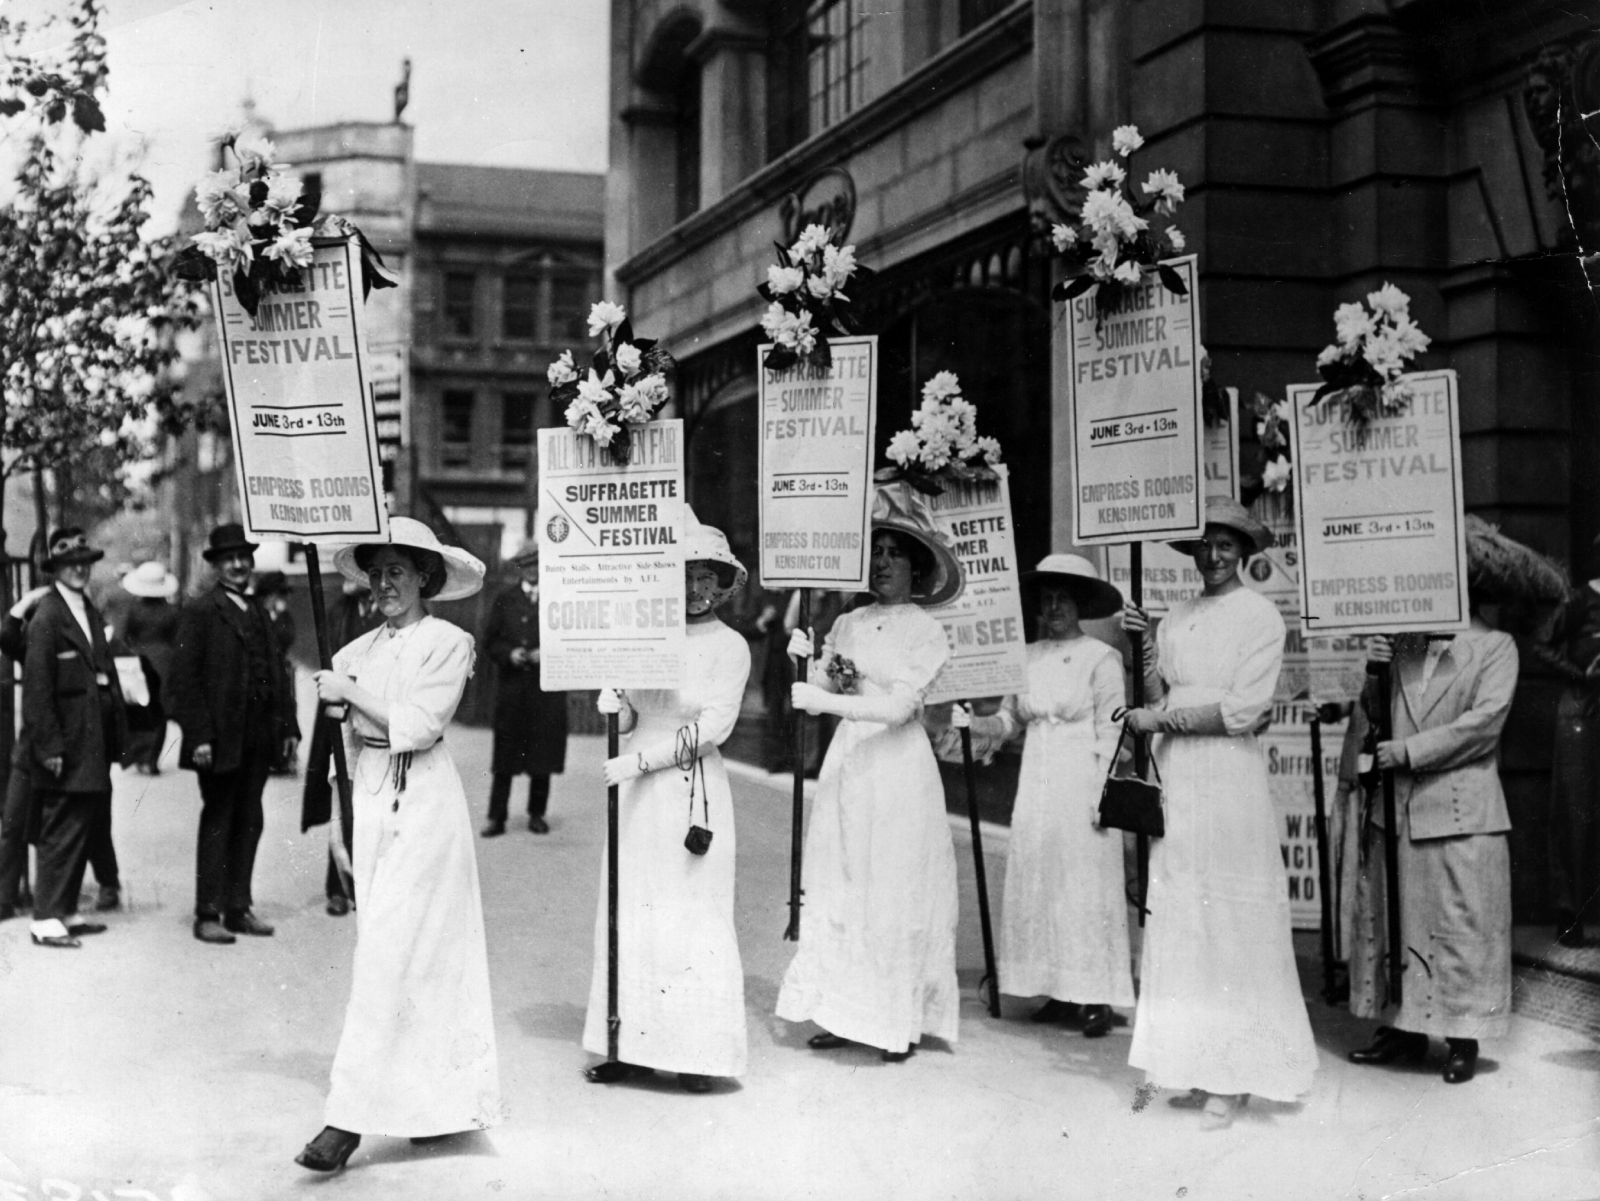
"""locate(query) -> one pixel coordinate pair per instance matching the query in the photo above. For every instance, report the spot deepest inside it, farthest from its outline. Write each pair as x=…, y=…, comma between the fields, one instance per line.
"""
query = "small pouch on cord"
x=698, y=840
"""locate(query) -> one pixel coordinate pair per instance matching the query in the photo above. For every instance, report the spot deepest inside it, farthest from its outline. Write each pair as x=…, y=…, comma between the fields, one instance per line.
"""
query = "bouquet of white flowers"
x=626, y=384
x=805, y=295
x=1272, y=430
x=1365, y=365
x=943, y=439
x=1112, y=244
x=260, y=227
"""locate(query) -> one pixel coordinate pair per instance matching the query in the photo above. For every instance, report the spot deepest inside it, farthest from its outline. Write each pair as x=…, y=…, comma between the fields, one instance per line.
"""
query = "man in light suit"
x=1448, y=701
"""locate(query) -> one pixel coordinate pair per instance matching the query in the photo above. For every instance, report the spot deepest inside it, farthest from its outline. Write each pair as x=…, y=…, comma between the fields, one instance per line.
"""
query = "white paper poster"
x=304, y=435
x=988, y=652
x=1286, y=749
x=816, y=448
x=1134, y=395
x=611, y=557
x=1379, y=508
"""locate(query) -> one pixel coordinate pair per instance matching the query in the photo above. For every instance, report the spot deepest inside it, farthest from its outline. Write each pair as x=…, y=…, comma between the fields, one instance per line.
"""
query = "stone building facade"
x=1328, y=146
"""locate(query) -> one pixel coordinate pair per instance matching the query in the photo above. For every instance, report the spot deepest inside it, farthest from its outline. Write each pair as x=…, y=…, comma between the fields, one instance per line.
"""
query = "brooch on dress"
x=844, y=673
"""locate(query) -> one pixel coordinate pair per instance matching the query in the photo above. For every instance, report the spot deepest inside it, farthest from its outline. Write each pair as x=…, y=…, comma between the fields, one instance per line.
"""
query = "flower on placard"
x=283, y=192
x=1351, y=323
x=224, y=247
x=942, y=385
x=1390, y=301
x=1364, y=368
x=562, y=371
x=819, y=286
x=579, y=410
x=783, y=280
x=1275, y=474
x=1330, y=354
x=595, y=389
x=604, y=317
x=838, y=264
x=627, y=358
x=1127, y=273
x=292, y=246
x=255, y=154
x=1103, y=175
x=218, y=198
x=652, y=391
x=1164, y=186
x=811, y=241
x=989, y=448
x=1175, y=238
x=1125, y=139
x=598, y=428
x=1064, y=236
x=904, y=447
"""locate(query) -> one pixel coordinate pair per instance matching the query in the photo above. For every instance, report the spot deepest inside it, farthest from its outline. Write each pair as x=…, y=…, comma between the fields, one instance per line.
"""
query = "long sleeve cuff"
x=1194, y=719
x=894, y=709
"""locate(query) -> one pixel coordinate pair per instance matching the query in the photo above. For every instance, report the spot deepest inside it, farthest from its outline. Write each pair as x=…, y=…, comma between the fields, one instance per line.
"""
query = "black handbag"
x=1129, y=803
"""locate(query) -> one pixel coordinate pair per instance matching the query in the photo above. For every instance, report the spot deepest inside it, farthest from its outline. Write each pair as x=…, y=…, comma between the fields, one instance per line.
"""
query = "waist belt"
x=402, y=764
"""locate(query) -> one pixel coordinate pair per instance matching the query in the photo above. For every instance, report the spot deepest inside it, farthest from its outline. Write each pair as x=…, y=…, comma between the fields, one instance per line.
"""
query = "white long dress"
x=1220, y=1006
x=417, y=1056
x=680, y=986
x=877, y=960
x=1064, y=927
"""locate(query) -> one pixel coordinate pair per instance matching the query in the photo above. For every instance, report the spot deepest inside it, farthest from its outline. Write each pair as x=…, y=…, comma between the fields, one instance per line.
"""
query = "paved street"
x=148, y=1061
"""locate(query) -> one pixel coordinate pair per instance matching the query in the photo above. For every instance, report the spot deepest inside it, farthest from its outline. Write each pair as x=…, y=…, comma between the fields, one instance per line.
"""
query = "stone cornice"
x=980, y=53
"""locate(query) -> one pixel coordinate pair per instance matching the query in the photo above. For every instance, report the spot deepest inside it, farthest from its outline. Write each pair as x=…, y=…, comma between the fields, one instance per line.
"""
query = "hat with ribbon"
x=68, y=546
x=1078, y=577
x=1227, y=512
x=151, y=579
x=226, y=539
x=707, y=544
x=897, y=506
x=463, y=571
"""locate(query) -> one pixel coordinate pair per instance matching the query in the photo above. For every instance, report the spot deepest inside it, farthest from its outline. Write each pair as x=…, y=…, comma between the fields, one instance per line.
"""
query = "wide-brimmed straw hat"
x=1225, y=511
x=707, y=544
x=1094, y=596
x=68, y=546
x=151, y=579
x=897, y=506
x=463, y=571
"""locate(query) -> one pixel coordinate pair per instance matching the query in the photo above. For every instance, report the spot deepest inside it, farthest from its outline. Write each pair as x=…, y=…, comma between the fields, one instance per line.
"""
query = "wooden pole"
x=797, y=819
x=341, y=769
x=1140, y=753
x=613, y=1019
x=1324, y=869
x=1384, y=719
x=991, y=972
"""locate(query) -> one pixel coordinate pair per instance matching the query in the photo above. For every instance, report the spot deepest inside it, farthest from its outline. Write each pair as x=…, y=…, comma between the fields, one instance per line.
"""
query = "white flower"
x=990, y=449
x=578, y=412
x=819, y=286
x=225, y=249
x=838, y=264
x=1164, y=185
x=601, y=430
x=1351, y=323
x=803, y=336
x=1383, y=352
x=652, y=391
x=811, y=241
x=292, y=246
x=783, y=280
x=1390, y=301
x=283, y=191
x=774, y=320
x=562, y=371
x=1175, y=238
x=1110, y=212
x=1127, y=272
x=627, y=358
x=1275, y=475
x=254, y=153
x=1125, y=139
x=1331, y=354
x=1410, y=337
x=904, y=447
x=595, y=389
x=1064, y=236
x=632, y=405
x=1103, y=175
x=217, y=196
x=943, y=385
x=604, y=317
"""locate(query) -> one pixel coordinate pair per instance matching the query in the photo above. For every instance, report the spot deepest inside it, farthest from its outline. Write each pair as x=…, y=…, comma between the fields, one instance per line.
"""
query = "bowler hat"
x=69, y=545
x=226, y=539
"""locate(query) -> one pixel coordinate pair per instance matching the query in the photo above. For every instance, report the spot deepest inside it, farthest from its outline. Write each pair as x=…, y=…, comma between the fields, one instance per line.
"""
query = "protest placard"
x=611, y=590
x=1286, y=750
x=1379, y=512
x=988, y=654
x=1134, y=401
x=815, y=471
x=1170, y=575
x=304, y=436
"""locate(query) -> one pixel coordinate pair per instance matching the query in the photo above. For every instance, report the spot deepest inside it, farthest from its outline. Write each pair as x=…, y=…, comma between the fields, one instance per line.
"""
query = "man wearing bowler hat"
x=74, y=727
x=237, y=714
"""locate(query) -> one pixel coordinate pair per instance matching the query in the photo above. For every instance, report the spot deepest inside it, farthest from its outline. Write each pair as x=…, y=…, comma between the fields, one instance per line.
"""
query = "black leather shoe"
x=79, y=929
x=329, y=1150
x=614, y=1071
x=209, y=929
x=62, y=941
x=1463, y=1062
x=538, y=825
x=338, y=906
x=689, y=1082
x=1053, y=1011
x=492, y=830
x=1390, y=1045
x=900, y=1056
x=245, y=922
x=826, y=1042
x=1096, y=1021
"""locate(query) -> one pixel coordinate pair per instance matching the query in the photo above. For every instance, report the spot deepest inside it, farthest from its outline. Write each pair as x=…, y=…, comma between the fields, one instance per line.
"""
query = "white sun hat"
x=707, y=544
x=151, y=579
x=463, y=571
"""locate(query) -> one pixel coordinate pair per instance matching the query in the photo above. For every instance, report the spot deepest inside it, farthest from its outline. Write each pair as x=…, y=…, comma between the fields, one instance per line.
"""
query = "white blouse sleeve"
x=421, y=707
x=1108, y=686
x=1259, y=639
x=725, y=696
x=921, y=656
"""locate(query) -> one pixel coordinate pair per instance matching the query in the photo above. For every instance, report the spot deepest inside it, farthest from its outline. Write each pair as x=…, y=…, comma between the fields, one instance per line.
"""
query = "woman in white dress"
x=1064, y=926
x=1220, y=1009
x=680, y=985
x=877, y=963
x=417, y=1055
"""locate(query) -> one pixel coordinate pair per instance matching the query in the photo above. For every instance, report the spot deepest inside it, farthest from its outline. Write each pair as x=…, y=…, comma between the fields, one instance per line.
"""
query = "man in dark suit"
x=74, y=727
x=229, y=696
x=530, y=725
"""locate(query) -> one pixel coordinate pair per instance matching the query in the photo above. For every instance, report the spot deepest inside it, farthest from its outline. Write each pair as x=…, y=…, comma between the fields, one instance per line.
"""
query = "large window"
x=519, y=309
x=455, y=428
x=818, y=71
x=516, y=430
x=569, y=309
x=460, y=303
